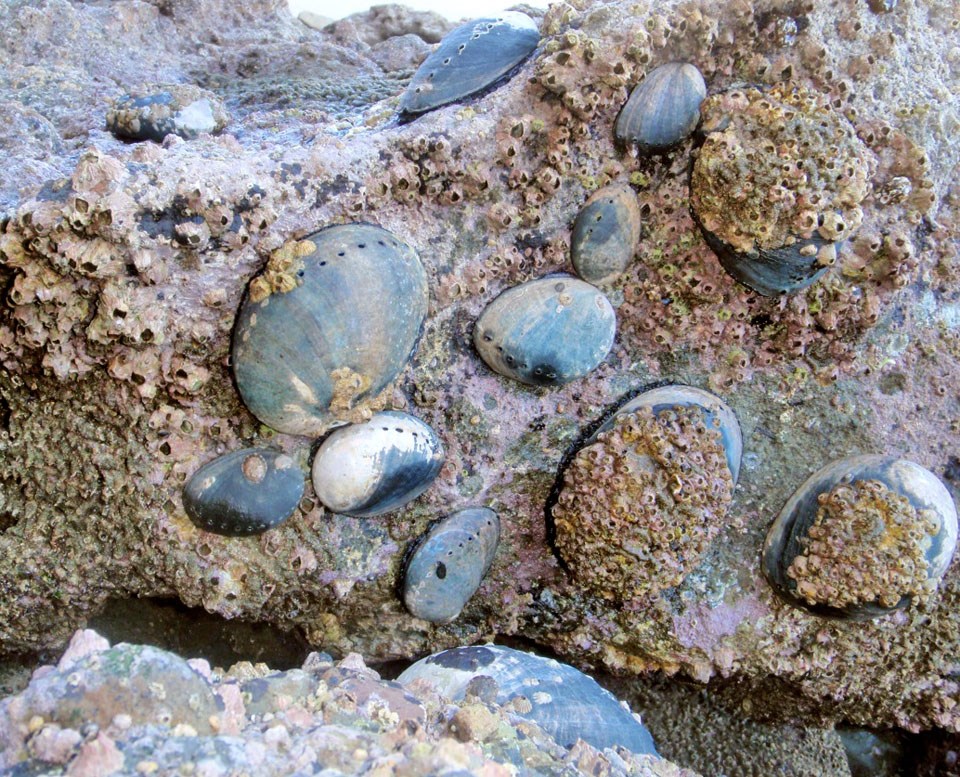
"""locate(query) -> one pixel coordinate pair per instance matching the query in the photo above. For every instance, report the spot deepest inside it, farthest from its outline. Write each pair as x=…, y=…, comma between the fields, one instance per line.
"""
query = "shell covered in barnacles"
x=446, y=568
x=244, y=492
x=329, y=324
x=177, y=109
x=641, y=502
x=546, y=332
x=862, y=537
x=471, y=58
x=605, y=234
x=777, y=185
x=563, y=701
x=373, y=467
x=663, y=109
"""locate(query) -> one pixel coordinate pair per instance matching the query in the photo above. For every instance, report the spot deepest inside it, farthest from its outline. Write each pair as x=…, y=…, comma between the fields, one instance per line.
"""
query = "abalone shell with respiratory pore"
x=447, y=567
x=546, y=332
x=563, y=701
x=663, y=109
x=471, y=58
x=377, y=466
x=605, y=234
x=335, y=324
x=244, y=492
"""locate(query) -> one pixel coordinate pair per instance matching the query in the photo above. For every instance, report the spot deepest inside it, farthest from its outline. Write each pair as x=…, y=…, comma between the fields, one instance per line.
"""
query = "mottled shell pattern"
x=546, y=332
x=178, y=109
x=331, y=322
x=605, y=234
x=563, y=701
x=377, y=466
x=446, y=568
x=244, y=492
x=862, y=537
x=470, y=59
x=663, y=109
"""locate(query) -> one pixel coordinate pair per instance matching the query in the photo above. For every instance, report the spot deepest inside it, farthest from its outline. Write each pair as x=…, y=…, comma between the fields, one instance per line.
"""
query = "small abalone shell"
x=469, y=59
x=244, y=492
x=605, y=234
x=546, y=332
x=663, y=109
x=371, y=468
x=862, y=537
x=329, y=324
x=777, y=184
x=563, y=701
x=446, y=568
x=178, y=109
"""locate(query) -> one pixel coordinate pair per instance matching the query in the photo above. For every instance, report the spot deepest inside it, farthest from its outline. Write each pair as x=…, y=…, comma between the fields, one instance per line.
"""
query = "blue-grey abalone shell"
x=446, y=569
x=469, y=59
x=923, y=490
x=546, y=332
x=717, y=413
x=377, y=466
x=663, y=109
x=244, y=492
x=304, y=358
x=605, y=234
x=564, y=701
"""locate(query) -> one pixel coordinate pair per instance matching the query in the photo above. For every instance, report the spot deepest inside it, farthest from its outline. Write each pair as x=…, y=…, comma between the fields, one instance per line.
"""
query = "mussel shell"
x=565, y=702
x=605, y=234
x=446, y=569
x=360, y=309
x=244, y=492
x=663, y=109
x=920, y=486
x=469, y=59
x=372, y=468
x=717, y=412
x=546, y=332
x=771, y=271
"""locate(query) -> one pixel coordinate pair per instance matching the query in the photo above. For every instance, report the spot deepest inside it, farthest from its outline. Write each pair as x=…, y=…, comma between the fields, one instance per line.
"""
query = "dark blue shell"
x=546, y=332
x=448, y=566
x=605, y=234
x=920, y=486
x=470, y=59
x=244, y=492
x=663, y=109
x=347, y=330
x=565, y=702
x=717, y=412
x=180, y=109
x=372, y=468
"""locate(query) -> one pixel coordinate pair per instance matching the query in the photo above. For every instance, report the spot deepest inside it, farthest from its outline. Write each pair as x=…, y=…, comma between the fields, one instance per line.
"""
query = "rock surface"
x=123, y=266
x=132, y=709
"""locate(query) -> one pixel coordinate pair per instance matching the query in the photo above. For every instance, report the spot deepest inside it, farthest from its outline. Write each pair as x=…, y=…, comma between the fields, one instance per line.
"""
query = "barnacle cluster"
x=776, y=166
x=864, y=546
x=640, y=506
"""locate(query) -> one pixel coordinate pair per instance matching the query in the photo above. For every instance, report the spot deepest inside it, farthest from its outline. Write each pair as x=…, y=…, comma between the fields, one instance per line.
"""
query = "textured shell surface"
x=180, y=109
x=469, y=59
x=718, y=413
x=605, y=234
x=773, y=271
x=546, y=332
x=371, y=468
x=925, y=493
x=304, y=358
x=663, y=109
x=566, y=703
x=244, y=492
x=446, y=568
